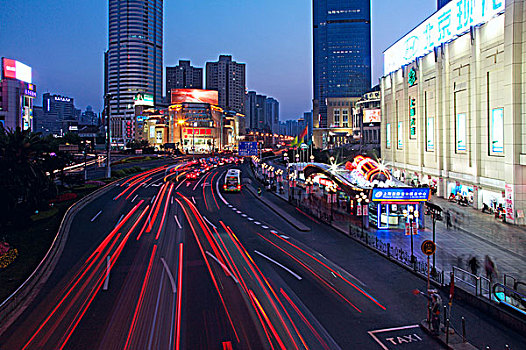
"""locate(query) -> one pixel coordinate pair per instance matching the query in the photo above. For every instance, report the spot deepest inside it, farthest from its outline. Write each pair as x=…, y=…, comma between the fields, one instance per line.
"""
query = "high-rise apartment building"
x=250, y=110
x=272, y=114
x=261, y=112
x=134, y=59
x=228, y=78
x=342, y=51
x=183, y=76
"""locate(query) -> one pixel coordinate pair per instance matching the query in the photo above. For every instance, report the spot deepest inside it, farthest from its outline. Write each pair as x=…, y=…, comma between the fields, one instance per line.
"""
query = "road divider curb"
x=17, y=302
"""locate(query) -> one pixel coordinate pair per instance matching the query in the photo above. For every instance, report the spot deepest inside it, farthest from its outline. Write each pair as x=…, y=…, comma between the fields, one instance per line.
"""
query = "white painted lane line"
x=265, y=227
x=285, y=237
x=156, y=311
x=153, y=198
x=197, y=184
x=170, y=276
x=277, y=263
x=217, y=188
x=134, y=198
x=250, y=219
x=234, y=209
x=187, y=184
x=372, y=333
x=96, y=216
x=223, y=266
x=180, y=183
x=244, y=215
x=193, y=199
x=120, y=219
x=208, y=221
x=107, y=279
x=237, y=211
x=172, y=200
x=257, y=222
x=230, y=205
x=177, y=220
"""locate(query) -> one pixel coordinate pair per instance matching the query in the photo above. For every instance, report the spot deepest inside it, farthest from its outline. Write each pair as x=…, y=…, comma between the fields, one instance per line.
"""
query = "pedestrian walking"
x=489, y=266
x=473, y=265
x=436, y=306
x=448, y=220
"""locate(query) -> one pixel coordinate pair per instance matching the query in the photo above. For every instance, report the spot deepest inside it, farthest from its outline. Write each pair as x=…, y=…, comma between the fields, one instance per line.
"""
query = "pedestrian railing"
x=509, y=297
x=466, y=280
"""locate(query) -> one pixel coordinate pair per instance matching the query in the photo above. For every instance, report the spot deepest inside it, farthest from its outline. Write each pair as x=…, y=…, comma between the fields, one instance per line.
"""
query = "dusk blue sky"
x=64, y=42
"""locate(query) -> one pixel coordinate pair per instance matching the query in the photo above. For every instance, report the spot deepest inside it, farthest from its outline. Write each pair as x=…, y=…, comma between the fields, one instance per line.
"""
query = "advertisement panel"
x=451, y=21
x=372, y=116
x=509, y=202
x=16, y=70
x=420, y=194
x=142, y=99
x=497, y=131
x=195, y=96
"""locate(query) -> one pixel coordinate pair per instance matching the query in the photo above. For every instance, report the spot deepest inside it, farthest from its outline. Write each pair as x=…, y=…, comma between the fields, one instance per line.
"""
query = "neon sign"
x=449, y=22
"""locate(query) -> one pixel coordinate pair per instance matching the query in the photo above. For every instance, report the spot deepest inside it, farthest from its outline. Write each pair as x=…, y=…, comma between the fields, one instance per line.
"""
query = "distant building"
x=57, y=115
x=88, y=117
x=134, y=60
x=367, y=116
x=16, y=95
x=228, y=78
x=342, y=52
x=307, y=116
x=339, y=130
x=250, y=110
x=272, y=114
x=183, y=76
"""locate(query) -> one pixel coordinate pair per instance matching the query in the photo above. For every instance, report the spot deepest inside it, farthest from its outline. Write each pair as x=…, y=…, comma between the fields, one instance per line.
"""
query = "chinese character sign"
x=400, y=194
x=452, y=20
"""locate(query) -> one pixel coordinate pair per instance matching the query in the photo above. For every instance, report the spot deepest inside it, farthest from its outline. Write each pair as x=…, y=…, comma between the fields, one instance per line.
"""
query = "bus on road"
x=232, y=181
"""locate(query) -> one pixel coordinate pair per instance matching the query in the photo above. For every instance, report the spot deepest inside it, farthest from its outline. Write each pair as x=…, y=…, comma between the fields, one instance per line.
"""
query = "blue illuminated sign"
x=449, y=22
x=247, y=149
x=400, y=194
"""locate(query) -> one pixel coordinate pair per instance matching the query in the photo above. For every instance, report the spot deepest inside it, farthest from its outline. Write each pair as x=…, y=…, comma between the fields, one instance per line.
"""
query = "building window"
x=400, y=135
x=388, y=135
x=337, y=117
x=497, y=132
x=460, y=133
x=430, y=135
x=345, y=114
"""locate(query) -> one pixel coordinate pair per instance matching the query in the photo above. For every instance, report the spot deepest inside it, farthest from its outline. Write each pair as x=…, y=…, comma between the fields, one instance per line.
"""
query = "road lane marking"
x=217, y=188
x=230, y=205
x=244, y=215
x=250, y=219
x=204, y=217
x=172, y=200
x=134, y=198
x=237, y=211
x=223, y=266
x=177, y=220
x=96, y=216
x=373, y=334
x=197, y=184
x=193, y=199
x=265, y=227
x=156, y=310
x=187, y=184
x=153, y=198
x=170, y=276
x=277, y=263
x=257, y=222
x=107, y=279
x=120, y=219
x=180, y=183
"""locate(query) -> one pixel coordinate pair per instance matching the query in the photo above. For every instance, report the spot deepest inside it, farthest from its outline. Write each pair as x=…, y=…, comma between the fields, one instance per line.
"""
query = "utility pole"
x=107, y=99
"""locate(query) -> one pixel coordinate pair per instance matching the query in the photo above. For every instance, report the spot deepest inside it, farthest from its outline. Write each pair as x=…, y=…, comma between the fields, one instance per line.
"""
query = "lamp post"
x=412, y=215
x=107, y=99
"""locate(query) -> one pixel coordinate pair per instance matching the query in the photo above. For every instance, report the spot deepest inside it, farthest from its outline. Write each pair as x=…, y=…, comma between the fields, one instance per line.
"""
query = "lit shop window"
x=337, y=117
x=460, y=133
x=497, y=132
x=400, y=135
x=430, y=135
x=388, y=136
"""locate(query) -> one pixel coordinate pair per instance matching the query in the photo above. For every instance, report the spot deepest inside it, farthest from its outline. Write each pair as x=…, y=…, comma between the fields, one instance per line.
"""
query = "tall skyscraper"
x=135, y=58
x=228, y=78
x=183, y=76
x=272, y=114
x=250, y=110
x=342, y=51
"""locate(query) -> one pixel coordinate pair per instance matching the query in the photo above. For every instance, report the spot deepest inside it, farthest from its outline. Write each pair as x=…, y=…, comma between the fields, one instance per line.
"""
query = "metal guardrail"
x=510, y=297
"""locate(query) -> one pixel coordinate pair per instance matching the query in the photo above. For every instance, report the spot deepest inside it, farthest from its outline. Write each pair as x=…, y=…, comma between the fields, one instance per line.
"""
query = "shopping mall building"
x=193, y=123
x=454, y=104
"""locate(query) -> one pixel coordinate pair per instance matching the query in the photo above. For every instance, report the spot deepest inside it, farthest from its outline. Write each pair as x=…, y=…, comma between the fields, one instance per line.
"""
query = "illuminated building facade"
x=228, y=78
x=453, y=105
x=16, y=95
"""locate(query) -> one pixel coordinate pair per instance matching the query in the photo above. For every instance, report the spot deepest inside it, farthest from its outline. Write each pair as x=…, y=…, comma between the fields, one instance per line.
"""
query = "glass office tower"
x=134, y=59
x=342, y=51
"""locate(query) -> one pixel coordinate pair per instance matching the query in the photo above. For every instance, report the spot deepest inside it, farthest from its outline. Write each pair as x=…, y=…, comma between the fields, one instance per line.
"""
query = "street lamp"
x=312, y=158
x=412, y=215
x=297, y=158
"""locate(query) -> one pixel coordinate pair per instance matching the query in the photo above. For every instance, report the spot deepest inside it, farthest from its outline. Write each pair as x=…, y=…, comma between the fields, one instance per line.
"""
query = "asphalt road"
x=161, y=262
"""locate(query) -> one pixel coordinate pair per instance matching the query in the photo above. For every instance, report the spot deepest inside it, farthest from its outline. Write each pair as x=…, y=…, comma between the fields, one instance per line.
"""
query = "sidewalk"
x=479, y=235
